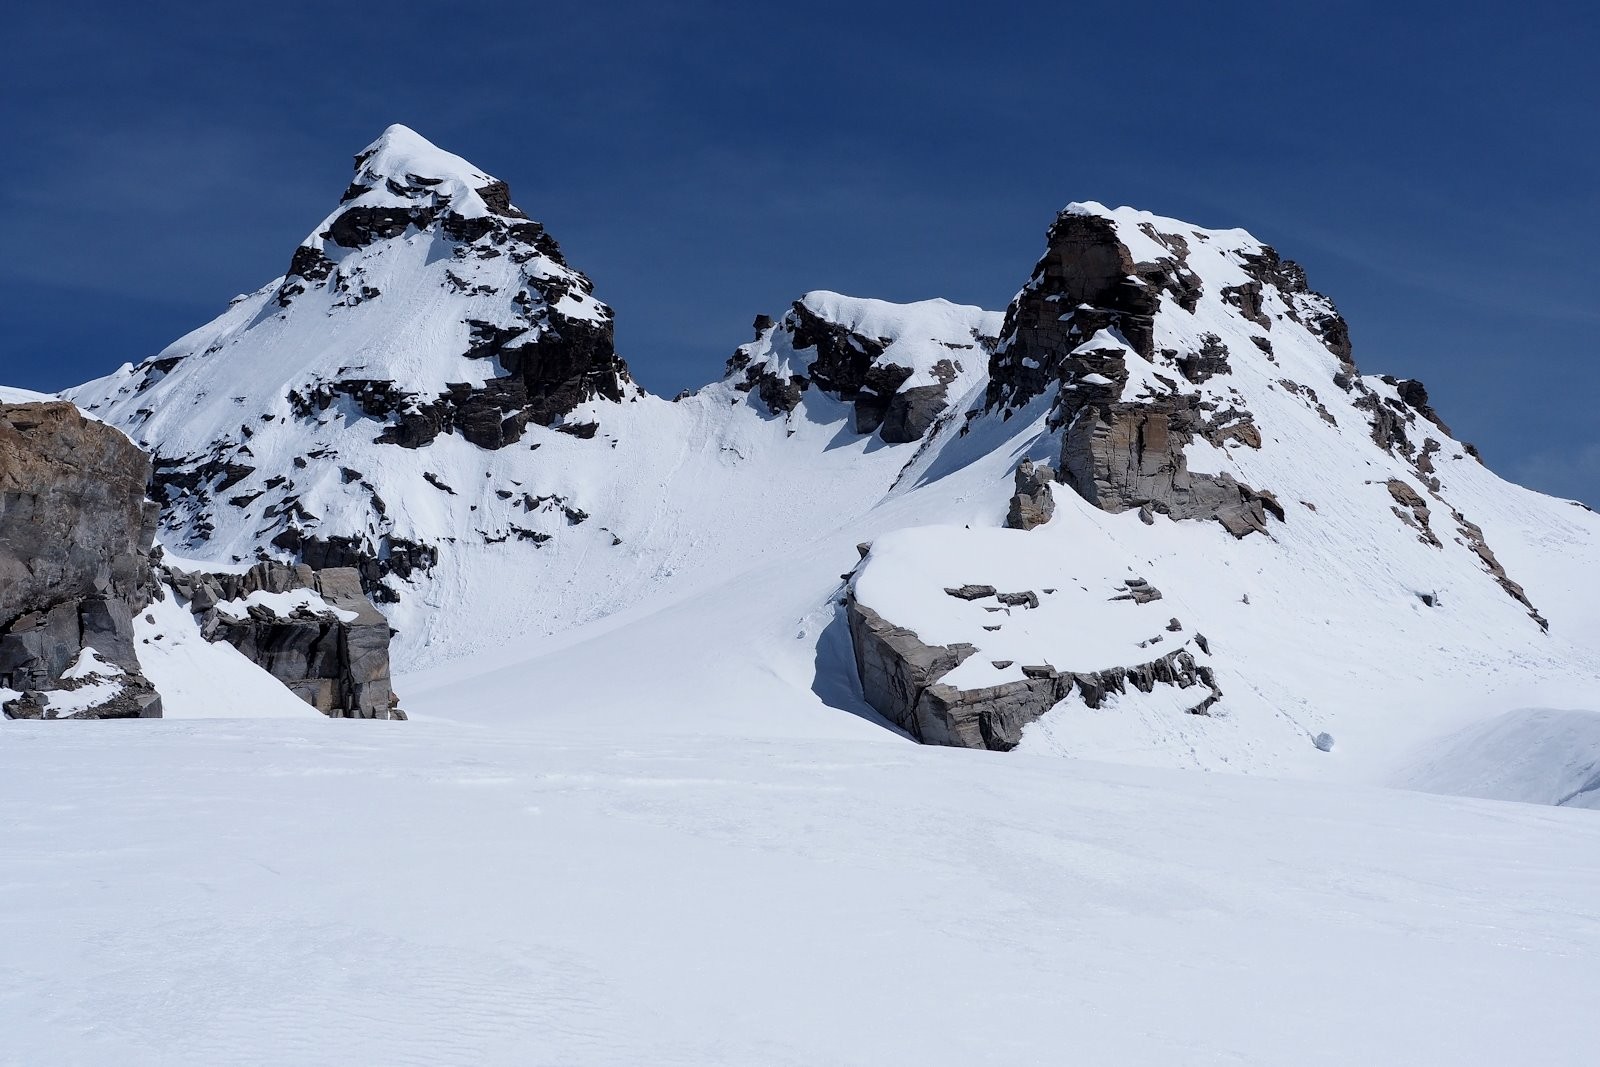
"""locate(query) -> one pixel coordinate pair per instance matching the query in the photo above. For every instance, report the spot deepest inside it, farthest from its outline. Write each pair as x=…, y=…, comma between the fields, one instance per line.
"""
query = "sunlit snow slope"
x=333, y=892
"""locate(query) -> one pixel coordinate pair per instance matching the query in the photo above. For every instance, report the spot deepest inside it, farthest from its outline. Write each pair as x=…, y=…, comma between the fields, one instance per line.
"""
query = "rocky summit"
x=1151, y=510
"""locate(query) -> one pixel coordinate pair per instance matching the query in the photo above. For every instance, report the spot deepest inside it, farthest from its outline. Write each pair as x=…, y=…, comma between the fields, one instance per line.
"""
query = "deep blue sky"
x=1435, y=172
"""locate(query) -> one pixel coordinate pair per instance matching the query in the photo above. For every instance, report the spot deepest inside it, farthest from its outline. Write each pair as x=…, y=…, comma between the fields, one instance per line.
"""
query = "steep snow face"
x=900, y=366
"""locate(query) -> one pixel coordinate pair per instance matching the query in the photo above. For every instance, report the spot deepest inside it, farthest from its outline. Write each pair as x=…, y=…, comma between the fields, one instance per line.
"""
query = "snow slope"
x=333, y=892
x=1534, y=755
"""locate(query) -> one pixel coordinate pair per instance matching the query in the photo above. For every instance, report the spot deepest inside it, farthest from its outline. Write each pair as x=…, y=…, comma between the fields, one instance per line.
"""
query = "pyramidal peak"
x=402, y=170
x=401, y=152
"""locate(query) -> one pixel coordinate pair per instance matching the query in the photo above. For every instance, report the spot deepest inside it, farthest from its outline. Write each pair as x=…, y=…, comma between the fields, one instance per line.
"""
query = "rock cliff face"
x=1176, y=373
x=1085, y=325
x=329, y=646
x=76, y=535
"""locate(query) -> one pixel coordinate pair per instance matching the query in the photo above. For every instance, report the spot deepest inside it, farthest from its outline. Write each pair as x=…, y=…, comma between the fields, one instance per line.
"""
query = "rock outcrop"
x=1087, y=314
x=896, y=365
x=329, y=646
x=549, y=340
x=78, y=564
x=901, y=678
x=1033, y=503
x=76, y=536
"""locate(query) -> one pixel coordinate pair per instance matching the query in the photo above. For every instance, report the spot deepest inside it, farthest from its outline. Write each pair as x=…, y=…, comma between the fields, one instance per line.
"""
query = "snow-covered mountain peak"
x=425, y=324
x=405, y=157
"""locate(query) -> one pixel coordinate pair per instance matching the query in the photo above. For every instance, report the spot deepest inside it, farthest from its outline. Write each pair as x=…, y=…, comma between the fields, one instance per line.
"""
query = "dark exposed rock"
x=971, y=592
x=912, y=412
x=848, y=365
x=1311, y=309
x=583, y=430
x=339, y=666
x=372, y=560
x=1309, y=396
x=75, y=552
x=1139, y=591
x=1085, y=282
x=781, y=394
x=1033, y=503
x=358, y=227
x=1387, y=423
x=1415, y=395
x=551, y=361
x=1064, y=328
x=1247, y=298
x=1211, y=359
x=1480, y=548
x=900, y=677
x=1120, y=456
x=1412, y=510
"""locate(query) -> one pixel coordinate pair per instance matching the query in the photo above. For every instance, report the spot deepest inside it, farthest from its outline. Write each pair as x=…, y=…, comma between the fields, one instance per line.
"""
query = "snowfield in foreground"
x=322, y=891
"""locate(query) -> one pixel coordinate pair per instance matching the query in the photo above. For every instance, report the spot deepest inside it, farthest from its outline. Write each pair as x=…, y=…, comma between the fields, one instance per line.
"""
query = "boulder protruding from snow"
x=1033, y=502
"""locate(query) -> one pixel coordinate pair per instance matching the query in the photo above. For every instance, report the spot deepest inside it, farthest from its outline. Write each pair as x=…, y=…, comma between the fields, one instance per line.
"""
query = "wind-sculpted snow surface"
x=331, y=892
x=431, y=396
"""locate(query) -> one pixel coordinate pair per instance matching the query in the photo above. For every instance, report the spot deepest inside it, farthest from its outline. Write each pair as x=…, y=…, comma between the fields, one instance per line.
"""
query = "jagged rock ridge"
x=899, y=367
x=1141, y=343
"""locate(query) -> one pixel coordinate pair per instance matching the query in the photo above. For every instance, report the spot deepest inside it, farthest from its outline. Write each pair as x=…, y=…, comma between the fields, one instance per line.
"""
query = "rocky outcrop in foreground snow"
x=902, y=678
x=314, y=631
x=78, y=564
x=76, y=535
